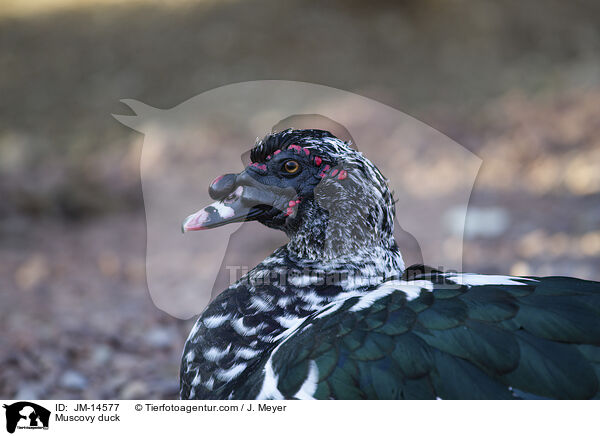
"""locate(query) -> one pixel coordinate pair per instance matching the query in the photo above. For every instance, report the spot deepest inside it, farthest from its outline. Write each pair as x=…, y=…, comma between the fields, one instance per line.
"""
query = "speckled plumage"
x=333, y=314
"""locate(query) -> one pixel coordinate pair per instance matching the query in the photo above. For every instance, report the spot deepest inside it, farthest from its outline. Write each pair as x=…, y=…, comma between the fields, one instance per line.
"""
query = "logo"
x=26, y=415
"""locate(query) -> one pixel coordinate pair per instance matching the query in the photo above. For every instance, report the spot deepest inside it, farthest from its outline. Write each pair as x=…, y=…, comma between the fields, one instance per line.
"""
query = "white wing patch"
x=190, y=356
x=292, y=327
x=289, y=321
x=283, y=301
x=269, y=390
x=260, y=304
x=309, y=387
x=330, y=308
x=304, y=280
x=238, y=326
x=196, y=380
x=209, y=384
x=213, y=354
x=312, y=298
x=412, y=289
x=469, y=279
x=231, y=373
x=215, y=321
x=246, y=353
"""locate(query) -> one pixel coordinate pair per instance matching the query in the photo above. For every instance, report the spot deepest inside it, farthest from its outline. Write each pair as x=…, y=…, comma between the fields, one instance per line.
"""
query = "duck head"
x=329, y=199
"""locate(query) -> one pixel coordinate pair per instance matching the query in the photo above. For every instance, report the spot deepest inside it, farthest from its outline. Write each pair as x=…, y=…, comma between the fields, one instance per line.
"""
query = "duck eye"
x=291, y=167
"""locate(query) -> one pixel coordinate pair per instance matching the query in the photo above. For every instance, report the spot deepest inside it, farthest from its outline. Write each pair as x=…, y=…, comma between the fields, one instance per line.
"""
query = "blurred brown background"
x=517, y=83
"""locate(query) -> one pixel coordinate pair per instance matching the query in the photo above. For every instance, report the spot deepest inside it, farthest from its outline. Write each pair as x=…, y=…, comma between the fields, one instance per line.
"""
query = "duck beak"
x=229, y=210
x=247, y=200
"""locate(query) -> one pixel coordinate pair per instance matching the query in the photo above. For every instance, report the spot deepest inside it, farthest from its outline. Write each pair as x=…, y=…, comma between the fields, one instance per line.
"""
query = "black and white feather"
x=335, y=315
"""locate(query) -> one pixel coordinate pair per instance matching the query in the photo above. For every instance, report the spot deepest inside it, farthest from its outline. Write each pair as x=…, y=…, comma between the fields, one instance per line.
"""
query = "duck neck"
x=325, y=240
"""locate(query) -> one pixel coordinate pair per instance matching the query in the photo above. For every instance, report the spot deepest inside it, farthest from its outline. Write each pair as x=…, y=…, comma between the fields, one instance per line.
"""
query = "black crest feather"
x=282, y=140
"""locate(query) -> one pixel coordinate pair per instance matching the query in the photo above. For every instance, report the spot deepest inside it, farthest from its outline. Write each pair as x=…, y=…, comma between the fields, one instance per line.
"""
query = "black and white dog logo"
x=26, y=415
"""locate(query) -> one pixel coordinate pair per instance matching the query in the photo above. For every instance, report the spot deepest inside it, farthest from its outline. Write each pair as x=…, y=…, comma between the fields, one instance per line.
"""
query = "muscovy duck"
x=335, y=315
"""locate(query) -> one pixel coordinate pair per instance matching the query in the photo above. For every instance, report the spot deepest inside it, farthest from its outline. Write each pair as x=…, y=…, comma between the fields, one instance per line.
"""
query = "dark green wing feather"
x=520, y=338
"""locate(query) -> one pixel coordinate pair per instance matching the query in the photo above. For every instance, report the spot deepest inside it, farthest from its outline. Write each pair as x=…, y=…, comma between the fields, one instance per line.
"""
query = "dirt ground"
x=517, y=83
